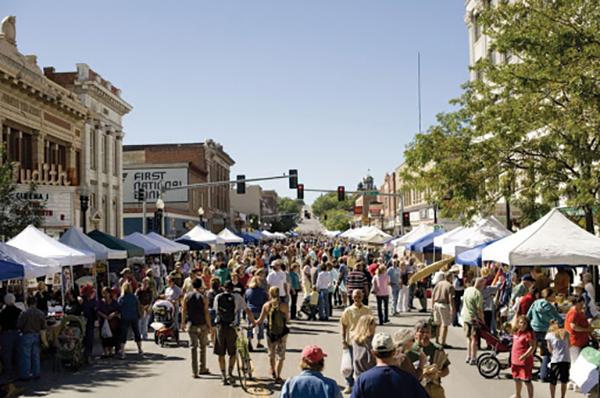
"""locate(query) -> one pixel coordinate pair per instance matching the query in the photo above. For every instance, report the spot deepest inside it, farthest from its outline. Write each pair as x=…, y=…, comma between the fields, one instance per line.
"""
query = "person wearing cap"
x=404, y=338
x=278, y=278
x=9, y=336
x=197, y=323
x=442, y=299
x=176, y=275
x=127, y=276
x=472, y=317
x=311, y=383
x=348, y=322
x=386, y=379
x=31, y=323
x=89, y=305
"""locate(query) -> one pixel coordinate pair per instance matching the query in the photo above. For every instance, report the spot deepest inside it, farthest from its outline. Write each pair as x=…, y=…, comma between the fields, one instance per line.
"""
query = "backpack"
x=277, y=324
x=225, y=309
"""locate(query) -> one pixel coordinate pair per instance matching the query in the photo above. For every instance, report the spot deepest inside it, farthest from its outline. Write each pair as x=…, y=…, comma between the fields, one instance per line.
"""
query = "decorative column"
x=119, y=181
x=109, y=168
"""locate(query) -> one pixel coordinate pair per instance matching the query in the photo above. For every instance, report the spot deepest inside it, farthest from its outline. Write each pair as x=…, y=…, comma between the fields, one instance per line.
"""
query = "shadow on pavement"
x=102, y=373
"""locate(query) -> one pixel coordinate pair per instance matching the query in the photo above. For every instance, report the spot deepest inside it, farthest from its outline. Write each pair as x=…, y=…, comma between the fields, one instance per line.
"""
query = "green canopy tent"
x=117, y=244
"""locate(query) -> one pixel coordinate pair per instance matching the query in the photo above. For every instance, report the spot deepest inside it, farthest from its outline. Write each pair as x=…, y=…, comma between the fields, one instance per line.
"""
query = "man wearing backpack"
x=197, y=322
x=226, y=305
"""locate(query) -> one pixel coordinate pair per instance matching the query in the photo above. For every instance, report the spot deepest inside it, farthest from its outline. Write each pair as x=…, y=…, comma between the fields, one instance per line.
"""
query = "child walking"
x=560, y=363
x=521, y=358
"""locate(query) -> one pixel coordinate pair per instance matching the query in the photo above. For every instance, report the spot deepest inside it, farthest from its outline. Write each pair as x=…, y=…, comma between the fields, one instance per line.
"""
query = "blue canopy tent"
x=472, y=257
x=193, y=244
x=424, y=244
x=257, y=235
x=10, y=270
x=248, y=239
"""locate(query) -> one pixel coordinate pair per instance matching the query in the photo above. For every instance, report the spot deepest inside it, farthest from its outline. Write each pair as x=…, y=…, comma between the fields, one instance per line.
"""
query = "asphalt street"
x=166, y=372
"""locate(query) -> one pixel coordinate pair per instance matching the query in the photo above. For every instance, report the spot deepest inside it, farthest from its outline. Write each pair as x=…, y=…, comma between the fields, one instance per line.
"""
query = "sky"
x=325, y=87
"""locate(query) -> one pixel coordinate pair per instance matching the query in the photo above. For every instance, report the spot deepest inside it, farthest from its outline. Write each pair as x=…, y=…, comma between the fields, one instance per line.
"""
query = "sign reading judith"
x=152, y=180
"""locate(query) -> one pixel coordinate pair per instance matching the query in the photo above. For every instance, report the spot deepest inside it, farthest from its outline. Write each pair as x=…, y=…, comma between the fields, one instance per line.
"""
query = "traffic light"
x=406, y=219
x=293, y=174
x=341, y=193
x=300, y=191
x=241, y=184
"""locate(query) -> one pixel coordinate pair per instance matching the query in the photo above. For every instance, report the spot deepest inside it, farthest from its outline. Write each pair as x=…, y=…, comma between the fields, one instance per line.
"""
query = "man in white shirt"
x=278, y=278
x=324, y=283
x=173, y=293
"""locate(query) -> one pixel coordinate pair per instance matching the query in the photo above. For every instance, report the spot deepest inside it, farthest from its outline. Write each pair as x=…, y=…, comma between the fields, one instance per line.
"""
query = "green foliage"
x=290, y=210
x=530, y=131
x=329, y=201
x=337, y=220
x=16, y=212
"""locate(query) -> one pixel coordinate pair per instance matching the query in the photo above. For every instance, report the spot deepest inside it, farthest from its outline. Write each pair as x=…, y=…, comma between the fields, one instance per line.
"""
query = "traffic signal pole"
x=218, y=183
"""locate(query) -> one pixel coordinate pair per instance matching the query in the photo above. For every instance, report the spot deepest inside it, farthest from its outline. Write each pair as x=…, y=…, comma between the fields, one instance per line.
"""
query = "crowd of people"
x=258, y=290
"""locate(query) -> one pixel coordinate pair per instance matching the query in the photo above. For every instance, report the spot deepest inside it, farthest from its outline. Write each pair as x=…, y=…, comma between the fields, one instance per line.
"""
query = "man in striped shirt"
x=357, y=280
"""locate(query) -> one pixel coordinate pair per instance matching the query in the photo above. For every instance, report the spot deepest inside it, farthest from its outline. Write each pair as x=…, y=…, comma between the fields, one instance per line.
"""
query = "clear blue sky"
x=327, y=87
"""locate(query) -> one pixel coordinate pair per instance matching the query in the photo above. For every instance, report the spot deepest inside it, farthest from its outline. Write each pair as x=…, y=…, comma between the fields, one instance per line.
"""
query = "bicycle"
x=243, y=359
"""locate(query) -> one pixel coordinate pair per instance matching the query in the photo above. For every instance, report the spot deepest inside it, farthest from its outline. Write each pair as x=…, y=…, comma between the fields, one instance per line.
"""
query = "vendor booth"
x=230, y=238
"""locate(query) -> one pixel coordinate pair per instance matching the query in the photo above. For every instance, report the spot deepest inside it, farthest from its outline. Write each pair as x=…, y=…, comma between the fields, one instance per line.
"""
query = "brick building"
x=172, y=165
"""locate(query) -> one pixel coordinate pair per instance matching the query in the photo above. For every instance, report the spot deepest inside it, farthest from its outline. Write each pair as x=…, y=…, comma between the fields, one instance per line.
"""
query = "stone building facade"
x=42, y=126
x=170, y=165
x=102, y=143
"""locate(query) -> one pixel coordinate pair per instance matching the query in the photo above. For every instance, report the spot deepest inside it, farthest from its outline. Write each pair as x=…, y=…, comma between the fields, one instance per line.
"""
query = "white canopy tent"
x=199, y=234
x=448, y=237
x=485, y=230
x=551, y=240
x=173, y=247
x=374, y=236
x=279, y=236
x=355, y=232
x=230, y=238
x=268, y=235
x=33, y=266
x=417, y=233
x=150, y=247
x=330, y=234
x=34, y=241
x=76, y=239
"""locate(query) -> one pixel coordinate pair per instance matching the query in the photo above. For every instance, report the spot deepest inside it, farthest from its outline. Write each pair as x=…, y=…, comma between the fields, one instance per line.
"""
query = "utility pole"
x=419, y=88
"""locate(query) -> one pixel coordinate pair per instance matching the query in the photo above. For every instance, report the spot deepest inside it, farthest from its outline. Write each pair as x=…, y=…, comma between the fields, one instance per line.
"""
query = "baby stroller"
x=70, y=341
x=490, y=363
x=164, y=325
x=307, y=309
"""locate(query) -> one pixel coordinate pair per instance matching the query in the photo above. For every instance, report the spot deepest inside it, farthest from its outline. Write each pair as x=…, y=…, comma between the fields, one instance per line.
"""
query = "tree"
x=337, y=220
x=329, y=201
x=17, y=211
x=529, y=131
x=290, y=215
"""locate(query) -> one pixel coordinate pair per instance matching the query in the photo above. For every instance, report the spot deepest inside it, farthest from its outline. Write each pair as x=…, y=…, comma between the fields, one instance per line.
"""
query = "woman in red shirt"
x=577, y=326
x=521, y=357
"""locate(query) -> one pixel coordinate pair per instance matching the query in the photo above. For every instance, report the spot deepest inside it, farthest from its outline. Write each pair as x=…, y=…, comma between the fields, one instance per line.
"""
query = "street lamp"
x=201, y=216
x=160, y=207
x=84, y=201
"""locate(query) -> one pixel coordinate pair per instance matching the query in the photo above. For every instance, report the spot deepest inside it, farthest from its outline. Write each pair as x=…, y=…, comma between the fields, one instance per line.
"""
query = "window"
x=77, y=172
x=26, y=156
x=116, y=158
x=93, y=160
x=105, y=213
x=106, y=153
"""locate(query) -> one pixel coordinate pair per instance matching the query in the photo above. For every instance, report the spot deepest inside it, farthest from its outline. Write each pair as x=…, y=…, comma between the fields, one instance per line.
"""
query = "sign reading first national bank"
x=152, y=180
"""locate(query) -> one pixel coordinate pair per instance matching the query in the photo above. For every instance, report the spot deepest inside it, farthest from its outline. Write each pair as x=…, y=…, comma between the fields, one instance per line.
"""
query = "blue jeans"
x=324, y=304
x=9, y=341
x=29, y=354
x=350, y=379
x=261, y=327
x=540, y=337
x=395, y=296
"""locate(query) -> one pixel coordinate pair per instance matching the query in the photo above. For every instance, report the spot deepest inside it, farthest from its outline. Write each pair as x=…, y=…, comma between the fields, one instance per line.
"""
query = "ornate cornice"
x=102, y=95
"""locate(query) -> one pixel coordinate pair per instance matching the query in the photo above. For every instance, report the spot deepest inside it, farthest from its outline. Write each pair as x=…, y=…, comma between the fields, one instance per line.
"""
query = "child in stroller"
x=164, y=325
x=70, y=341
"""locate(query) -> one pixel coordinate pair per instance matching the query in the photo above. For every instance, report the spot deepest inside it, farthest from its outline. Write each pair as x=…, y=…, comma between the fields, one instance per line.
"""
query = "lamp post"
x=84, y=202
x=201, y=216
x=160, y=207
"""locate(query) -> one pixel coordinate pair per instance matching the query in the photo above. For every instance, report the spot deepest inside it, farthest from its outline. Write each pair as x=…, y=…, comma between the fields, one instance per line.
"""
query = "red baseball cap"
x=313, y=354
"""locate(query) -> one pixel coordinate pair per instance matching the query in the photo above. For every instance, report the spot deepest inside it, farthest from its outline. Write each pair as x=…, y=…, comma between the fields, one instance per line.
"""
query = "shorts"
x=471, y=330
x=522, y=372
x=559, y=371
x=277, y=348
x=442, y=314
x=225, y=341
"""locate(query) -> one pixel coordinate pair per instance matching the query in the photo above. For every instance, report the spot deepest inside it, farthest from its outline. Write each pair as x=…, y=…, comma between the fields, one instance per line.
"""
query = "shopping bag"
x=106, y=333
x=346, y=366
